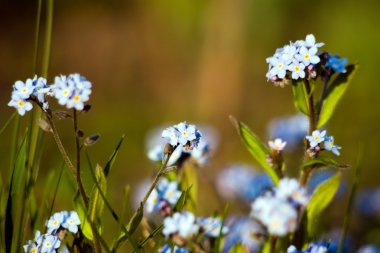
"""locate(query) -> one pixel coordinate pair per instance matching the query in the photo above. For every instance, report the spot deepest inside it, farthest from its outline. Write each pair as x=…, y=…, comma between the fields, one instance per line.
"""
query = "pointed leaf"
x=323, y=162
x=335, y=92
x=257, y=149
x=112, y=158
x=190, y=179
x=301, y=98
x=96, y=201
x=320, y=199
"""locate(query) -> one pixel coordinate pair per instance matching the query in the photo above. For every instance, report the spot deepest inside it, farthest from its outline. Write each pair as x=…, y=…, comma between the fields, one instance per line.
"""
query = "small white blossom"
x=316, y=137
x=182, y=224
x=277, y=144
x=212, y=227
x=20, y=104
x=308, y=56
x=289, y=188
x=298, y=70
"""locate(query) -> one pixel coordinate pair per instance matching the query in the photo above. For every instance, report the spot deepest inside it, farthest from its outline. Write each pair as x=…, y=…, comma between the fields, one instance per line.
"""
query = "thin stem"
x=272, y=241
x=77, y=145
x=36, y=37
x=61, y=149
x=158, y=176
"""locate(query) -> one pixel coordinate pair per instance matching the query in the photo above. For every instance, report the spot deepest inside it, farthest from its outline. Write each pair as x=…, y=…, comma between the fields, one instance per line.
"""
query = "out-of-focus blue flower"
x=165, y=192
x=319, y=176
x=368, y=202
x=183, y=224
x=291, y=129
x=240, y=181
x=337, y=64
x=168, y=249
x=245, y=231
x=369, y=249
x=212, y=227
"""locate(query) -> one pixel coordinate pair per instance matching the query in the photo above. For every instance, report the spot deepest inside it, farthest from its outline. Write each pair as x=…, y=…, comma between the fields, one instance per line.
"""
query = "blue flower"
x=330, y=145
x=55, y=222
x=165, y=192
x=337, y=64
x=50, y=243
x=316, y=137
x=369, y=249
x=71, y=221
x=212, y=227
x=168, y=249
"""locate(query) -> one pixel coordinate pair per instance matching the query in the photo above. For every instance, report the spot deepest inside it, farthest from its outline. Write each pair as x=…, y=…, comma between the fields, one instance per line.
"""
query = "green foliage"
x=301, y=98
x=239, y=248
x=335, y=93
x=323, y=162
x=257, y=149
x=320, y=199
x=189, y=179
x=113, y=156
x=96, y=201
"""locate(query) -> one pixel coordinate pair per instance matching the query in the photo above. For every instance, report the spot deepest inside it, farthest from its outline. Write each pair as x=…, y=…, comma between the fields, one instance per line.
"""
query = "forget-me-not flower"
x=330, y=145
x=71, y=221
x=316, y=137
x=337, y=64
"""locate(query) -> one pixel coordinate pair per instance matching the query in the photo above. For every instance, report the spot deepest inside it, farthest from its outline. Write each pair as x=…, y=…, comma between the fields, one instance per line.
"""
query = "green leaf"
x=112, y=158
x=257, y=149
x=134, y=222
x=320, y=199
x=239, y=248
x=189, y=178
x=8, y=122
x=323, y=162
x=96, y=201
x=182, y=200
x=335, y=92
x=301, y=98
x=82, y=213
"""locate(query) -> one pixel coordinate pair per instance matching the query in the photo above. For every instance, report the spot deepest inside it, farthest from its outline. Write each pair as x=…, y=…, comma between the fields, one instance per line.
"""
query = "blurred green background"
x=161, y=62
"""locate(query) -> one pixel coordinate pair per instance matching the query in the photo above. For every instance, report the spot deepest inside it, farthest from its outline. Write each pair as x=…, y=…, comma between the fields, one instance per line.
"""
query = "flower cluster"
x=279, y=210
x=295, y=58
x=200, y=155
x=182, y=226
x=316, y=247
x=71, y=91
x=168, y=249
x=58, y=222
x=163, y=197
x=188, y=136
x=32, y=89
x=317, y=137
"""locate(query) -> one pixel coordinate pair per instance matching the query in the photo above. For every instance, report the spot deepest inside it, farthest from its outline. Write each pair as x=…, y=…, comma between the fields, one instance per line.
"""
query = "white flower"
x=289, y=188
x=24, y=90
x=171, y=135
x=277, y=215
x=152, y=201
x=181, y=223
x=277, y=144
x=308, y=56
x=298, y=70
x=71, y=221
x=212, y=226
x=279, y=68
x=316, y=138
x=20, y=104
x=310, y=41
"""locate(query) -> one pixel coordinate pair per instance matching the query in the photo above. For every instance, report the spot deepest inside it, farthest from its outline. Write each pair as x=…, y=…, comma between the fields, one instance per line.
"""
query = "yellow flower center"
x=21, y=103
x=48, y=244
x=76, y=98
x=279, y=66
x=316, y=138
x=65, y=92
x=184, y=133
x=55, y=223
x=306, y=56
x=297, y=68
x=34, y=250
x=331, y=143
x=24, y=90
x=70, y=221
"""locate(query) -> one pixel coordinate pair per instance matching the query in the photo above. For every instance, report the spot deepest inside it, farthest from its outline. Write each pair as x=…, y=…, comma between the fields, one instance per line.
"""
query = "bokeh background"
x=160, y=62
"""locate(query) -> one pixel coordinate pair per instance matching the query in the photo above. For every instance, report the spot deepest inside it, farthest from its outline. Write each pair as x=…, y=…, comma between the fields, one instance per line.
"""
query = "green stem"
x=272, y=241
